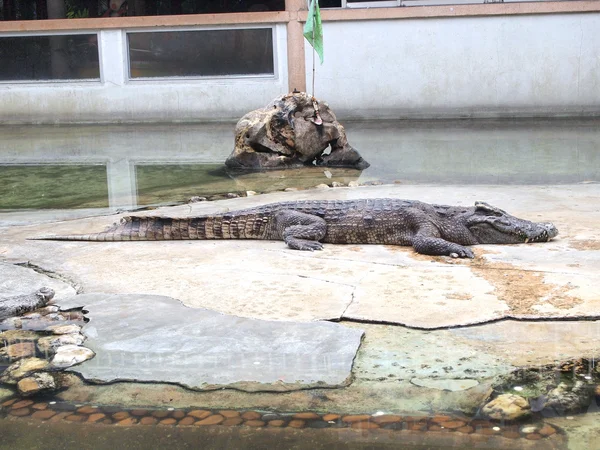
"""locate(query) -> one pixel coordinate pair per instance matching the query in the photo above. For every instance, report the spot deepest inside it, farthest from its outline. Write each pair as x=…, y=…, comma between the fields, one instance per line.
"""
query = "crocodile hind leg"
x=301, y=231
x=430, y=245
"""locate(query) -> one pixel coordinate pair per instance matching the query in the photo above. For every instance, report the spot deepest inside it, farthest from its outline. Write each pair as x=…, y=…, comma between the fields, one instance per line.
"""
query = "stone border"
x=106, y=415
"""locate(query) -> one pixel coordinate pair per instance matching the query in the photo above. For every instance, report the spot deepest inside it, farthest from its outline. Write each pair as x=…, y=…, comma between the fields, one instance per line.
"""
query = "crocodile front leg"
x=429, y=245
x=301, y=231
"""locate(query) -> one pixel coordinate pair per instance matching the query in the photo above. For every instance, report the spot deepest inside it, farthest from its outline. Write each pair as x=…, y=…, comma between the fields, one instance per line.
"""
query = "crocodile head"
x=491, y=225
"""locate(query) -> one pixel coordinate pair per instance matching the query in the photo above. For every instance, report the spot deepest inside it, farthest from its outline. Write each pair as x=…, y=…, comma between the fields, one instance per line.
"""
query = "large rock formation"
x=293, y=130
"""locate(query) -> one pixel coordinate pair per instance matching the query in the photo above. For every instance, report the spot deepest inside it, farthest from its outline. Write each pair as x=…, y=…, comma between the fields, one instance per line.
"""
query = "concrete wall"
x=461, y=67
x=116, y=99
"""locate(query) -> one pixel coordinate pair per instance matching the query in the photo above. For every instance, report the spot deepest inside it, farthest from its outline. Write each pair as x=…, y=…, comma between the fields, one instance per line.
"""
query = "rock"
x=197, y=199
x=49, y=344
x=5, y=393
x=250, y=193
x=22, y=368
x=38, y=382
x=48, y=310
x=294, y=130
x=507, y=407
x=337, y=184
x=70, y=355
x=353, y=184
x=12, y=336
x=20, y=350
x=64, y=329
x=565, y=399
x=321, y=186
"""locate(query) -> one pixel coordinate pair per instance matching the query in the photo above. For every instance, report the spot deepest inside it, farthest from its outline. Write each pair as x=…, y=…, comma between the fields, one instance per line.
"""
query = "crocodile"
x=303, y=225
x=21, y=304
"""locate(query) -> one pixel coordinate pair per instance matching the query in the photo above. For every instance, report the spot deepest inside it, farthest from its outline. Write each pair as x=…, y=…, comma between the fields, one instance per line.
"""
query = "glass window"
x=59, y=57
x=201, y=53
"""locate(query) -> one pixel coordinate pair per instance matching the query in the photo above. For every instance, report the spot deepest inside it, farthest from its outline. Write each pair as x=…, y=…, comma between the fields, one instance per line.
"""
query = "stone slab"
x=265, y=280
x=155, y=338
x=17, y=280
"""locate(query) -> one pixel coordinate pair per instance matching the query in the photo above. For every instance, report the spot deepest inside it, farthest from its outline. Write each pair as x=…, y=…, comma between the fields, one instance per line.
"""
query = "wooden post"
x=295, y=46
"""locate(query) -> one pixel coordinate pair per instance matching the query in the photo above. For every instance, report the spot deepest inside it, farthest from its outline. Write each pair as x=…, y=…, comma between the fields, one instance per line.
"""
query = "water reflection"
x=129, y=166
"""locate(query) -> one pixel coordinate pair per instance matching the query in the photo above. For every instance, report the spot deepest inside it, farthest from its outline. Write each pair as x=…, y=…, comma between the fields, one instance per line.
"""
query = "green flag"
x=313, y=29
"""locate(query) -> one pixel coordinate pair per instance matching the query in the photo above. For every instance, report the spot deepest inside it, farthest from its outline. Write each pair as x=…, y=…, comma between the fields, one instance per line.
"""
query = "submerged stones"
x=507, y=407
x=38, y=382
x=70, y=355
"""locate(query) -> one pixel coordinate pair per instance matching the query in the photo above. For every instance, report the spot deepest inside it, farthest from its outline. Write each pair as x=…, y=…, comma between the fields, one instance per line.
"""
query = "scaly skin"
x=22, y=304
x=303, y=225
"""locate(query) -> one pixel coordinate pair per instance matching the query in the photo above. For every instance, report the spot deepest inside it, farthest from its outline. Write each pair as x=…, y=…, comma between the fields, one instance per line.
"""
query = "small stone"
x=9, y=402
x=534, y=437
x=337, y=184
x=32, y=315
x=88, y=410
x=296, y=423
x=148, y=420
x=452, y=424
x=331, y=417
x=232, y=195
x=196, y=199
x=71, y=355
x=254, y=423
x=466, y=429
x=64, y=329
x=250, y=193
x=355, y=418
x=232, y=421
x=251, y=415
x=228, y=414
x=60, y=416
x=307, y=416
x=127, y=422
x=418, y=426
x=50, y=344
x=20, y=350
x=507, y=407
x=526, y=429
x=75, y=418
x=186, y=421
x=43, y=415
x=178, y=414
x=23, y=404
x=386, y=418
x=199, y=414
x=364, y=425
x=276, y=423
x=215, y=419
x=95, y=417
x=511, y=434
x=49, y=309
x=435, y=427
x=138, y=412
x=291, y=189
x=107, y=421
x=487, y=431
x=322, y=186
x=440, y=418
x=120, y=415
x=547, y=430
x=353, y=184
x=38, y=382
x=160, y=414
x=168, y=421
x=22, y=368
x=16, y=336
x=20, y=412
x=39, y=406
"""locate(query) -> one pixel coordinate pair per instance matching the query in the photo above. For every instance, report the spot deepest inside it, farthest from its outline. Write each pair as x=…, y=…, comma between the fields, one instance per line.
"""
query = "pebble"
x=75, y=418
x=353, y=184
x=60, y=416
x=331, y=417
x=387, y=418
x=43, y=415
x=9, y=402
x=20, y=350
x=511, y=434
x=276, y=423
x=20, y=412
x=337, y=184
x=322, y=186
x=185, y=421
x=507, y=407
x=526, y=429
x=22, y=404
x=120, y=415
x=22, y=368
x=96, y=417
x=250, y=193
x=438, y=419
x=547, y=430
x=64, y=329
x=71, y=355
x=87, y=410
x=148, y=420
x=211, y=420
x=466, y=429
x=168, y=421
x=127, y=422
x=178, y=414
x=199, y=414
x=356, y=418
x=297, y=423
x=418, y=426
x=138, y=412
x=251, y=415
x=365, y=425
x=232, y=421
x=255, y=423
x=160, y=414
x=534, y=437
x=39, y=406
x=228, y=414
x=453, y=424
x=38, y=382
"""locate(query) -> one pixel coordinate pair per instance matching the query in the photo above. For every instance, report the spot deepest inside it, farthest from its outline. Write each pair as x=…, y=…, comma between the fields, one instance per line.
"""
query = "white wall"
x=115, y=99
x=461, y=67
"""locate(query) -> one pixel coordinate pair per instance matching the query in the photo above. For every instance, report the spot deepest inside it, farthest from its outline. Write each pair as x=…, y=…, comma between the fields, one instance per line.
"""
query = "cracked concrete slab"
x=17, y=280
x=263, y=279
x=158, y=339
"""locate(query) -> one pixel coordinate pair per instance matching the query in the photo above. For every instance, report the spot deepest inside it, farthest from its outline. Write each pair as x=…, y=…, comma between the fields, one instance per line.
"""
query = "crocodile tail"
x=136, y=228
